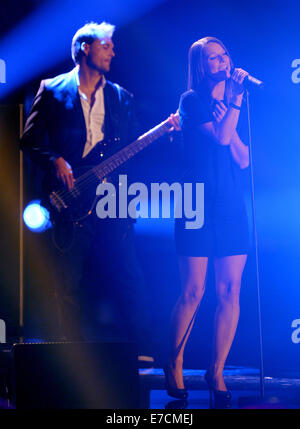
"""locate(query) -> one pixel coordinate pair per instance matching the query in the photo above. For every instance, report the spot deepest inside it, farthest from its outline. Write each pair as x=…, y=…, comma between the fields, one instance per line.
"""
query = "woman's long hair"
x=196, y=70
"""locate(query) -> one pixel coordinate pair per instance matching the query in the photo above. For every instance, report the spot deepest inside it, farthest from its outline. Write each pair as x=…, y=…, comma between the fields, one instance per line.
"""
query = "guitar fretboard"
x=132, y=149
x=62, y=199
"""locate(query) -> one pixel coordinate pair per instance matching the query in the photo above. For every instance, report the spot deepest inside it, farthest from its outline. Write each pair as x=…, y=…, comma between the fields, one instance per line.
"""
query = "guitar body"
x=74, y=205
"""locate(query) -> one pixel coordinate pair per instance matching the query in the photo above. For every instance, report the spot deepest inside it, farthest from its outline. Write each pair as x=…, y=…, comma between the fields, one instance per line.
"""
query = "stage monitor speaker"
x=76, y=375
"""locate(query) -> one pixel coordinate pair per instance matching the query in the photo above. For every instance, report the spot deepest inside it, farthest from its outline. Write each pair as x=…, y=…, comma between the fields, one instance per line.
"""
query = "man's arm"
x=35, y=141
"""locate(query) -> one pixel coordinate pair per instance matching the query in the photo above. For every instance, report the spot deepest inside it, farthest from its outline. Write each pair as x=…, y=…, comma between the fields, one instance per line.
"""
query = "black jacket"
x=56, y=127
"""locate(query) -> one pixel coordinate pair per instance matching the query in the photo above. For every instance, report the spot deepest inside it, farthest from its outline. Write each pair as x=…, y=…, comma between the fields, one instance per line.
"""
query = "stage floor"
x=280, y=392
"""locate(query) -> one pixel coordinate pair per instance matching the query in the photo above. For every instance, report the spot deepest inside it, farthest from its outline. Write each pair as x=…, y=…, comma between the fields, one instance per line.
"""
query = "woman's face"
x=216, y=62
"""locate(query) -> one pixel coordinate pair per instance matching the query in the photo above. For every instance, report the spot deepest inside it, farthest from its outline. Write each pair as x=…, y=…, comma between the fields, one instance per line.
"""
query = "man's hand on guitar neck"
x=64, y=172
x=173, y=120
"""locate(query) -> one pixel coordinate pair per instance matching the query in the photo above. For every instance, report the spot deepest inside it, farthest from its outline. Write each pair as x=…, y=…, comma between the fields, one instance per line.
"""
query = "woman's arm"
x=224, y=125
x=227, y=126
x=226, y=119
x=239, y=151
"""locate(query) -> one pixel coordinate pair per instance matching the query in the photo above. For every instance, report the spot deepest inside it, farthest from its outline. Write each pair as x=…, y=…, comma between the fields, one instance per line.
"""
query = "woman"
x=209, y=114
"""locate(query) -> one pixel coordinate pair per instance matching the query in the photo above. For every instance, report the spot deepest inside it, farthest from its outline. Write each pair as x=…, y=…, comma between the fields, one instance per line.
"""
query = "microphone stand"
x=261, y=401
x=250, y=402
x=262, y=387
x=21, y=233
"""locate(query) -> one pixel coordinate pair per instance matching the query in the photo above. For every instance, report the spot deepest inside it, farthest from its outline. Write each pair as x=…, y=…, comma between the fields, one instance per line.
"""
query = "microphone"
x=251, y=82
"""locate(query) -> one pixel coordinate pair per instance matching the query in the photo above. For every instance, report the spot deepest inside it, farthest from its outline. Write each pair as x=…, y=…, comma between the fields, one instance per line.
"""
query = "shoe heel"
x=222, y=400
x=174, y=391
x=218, y=399
x=211, y=399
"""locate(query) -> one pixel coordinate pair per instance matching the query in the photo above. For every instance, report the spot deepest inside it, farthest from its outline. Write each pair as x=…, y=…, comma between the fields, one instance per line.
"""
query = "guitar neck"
x=119, y=158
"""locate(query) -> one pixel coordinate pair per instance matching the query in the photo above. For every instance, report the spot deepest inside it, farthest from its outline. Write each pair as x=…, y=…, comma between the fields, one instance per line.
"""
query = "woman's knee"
x=193, y=293
x=228, y=292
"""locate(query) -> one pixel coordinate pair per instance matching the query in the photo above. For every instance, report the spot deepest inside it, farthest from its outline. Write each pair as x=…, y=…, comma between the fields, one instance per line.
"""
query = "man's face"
x=99, y=54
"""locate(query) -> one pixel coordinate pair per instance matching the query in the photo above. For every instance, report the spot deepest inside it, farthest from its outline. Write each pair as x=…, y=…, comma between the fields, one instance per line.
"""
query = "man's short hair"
x=88, y=34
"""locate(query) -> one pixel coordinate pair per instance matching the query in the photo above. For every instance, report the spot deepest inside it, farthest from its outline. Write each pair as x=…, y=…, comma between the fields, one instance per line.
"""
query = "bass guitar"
x=76, y=204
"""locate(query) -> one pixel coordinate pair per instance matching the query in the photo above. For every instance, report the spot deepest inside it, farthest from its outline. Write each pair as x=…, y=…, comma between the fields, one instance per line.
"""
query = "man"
x=72, y=116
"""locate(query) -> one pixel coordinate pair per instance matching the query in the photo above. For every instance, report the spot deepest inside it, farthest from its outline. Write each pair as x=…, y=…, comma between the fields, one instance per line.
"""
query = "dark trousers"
x=97, y=259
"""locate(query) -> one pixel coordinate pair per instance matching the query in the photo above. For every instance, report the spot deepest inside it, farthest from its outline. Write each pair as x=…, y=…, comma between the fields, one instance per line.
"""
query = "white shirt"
x=94, y=117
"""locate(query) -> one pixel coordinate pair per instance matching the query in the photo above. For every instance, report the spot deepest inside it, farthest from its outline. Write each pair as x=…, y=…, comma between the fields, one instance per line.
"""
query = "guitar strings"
x=129, y=150
x=93, y=175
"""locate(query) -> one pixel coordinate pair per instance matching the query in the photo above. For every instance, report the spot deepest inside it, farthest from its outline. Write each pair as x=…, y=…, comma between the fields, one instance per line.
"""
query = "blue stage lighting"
x=36, y=217
x=43, y=38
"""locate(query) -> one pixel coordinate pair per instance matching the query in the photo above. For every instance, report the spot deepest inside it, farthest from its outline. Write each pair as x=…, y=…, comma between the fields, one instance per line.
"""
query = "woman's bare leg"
x=193, y=275
x=228, y=272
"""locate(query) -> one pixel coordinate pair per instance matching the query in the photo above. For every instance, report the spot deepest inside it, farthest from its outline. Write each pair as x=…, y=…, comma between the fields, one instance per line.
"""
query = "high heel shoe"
x=218, y=399
x=175, y=392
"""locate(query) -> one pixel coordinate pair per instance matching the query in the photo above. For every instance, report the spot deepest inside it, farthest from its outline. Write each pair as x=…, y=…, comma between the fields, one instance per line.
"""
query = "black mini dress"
x=225, y=230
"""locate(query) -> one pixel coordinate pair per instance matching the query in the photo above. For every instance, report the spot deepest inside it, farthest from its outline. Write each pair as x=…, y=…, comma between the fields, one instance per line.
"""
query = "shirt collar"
x=101, y=86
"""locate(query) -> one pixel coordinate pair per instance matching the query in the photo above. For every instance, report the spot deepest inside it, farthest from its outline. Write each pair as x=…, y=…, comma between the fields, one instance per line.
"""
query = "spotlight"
x=36, y=217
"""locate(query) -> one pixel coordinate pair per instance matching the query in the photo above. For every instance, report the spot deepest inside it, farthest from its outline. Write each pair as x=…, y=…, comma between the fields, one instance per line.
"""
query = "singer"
x=214, y=155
